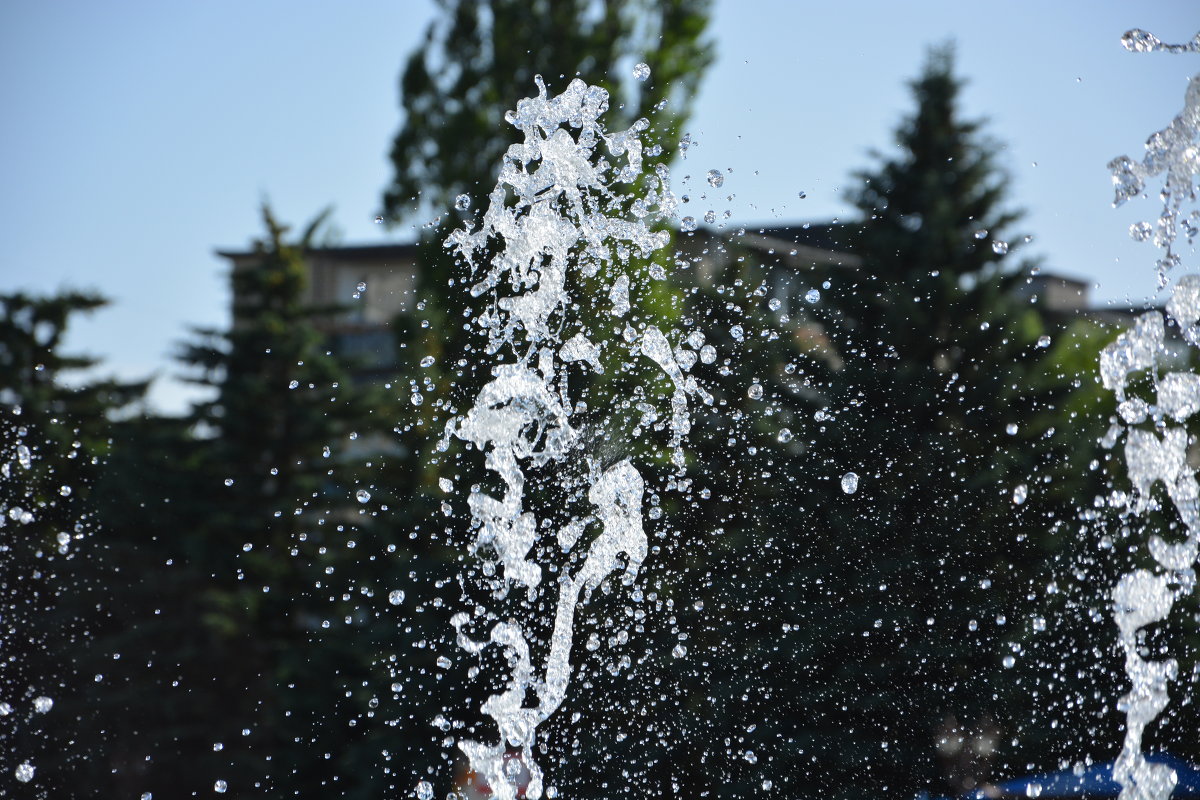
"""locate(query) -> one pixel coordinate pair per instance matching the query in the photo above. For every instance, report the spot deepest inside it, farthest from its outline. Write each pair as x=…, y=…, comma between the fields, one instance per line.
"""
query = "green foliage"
x=480, y=57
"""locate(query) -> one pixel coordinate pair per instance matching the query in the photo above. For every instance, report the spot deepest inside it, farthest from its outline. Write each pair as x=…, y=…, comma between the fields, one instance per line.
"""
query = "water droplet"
x=784, y=435
x=812, y=296
x=462, y=202
x=767, y=785
x=361, y=286
x=687, y=224
x=850, y=483
x=981, y=233
x=293, y=384
x=641, y=70
x=1140, y=231
x=220, y=786
x=42, y=704
x=1139, y=41
x=24, y=772
x=1020, y=493
x=774, y=304
x=1043, y=342
x=147, y=796
x=24, y=457
x=325, y=451
x=708, y=354
x=379, y=220
x=715, y=178
x=65, y=491
x=737, y=333
x=362, y=495
x=229, y=481
x=802, y=195
x=5, y=709
x=396, y=597
x=755, y=392
x=679, y=651
x=1011, y=429
x=424, y=790
x=427, y=361
x=999, y=248
x=416, y=399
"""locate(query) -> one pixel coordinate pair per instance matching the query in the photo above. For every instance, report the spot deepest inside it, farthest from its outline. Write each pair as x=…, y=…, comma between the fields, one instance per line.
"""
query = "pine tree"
x=870, y=633
x=281, y=476
x=55, y=438
x=951, y=407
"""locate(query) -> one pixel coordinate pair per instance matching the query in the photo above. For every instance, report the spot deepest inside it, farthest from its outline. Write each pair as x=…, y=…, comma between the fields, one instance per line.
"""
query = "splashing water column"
x=1155, y=442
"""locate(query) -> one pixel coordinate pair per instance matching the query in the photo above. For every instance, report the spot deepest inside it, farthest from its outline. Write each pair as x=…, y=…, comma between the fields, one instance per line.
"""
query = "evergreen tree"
x=952, y=407
x=54, y=437
x=865, y=648
x=281, y=472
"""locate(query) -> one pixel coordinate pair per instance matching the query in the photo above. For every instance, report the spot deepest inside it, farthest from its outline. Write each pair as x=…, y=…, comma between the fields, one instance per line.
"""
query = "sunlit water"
x=572, y=202
x=1152, y=424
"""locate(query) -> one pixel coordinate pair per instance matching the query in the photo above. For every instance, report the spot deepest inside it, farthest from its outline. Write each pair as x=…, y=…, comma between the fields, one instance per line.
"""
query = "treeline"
x=883, y=577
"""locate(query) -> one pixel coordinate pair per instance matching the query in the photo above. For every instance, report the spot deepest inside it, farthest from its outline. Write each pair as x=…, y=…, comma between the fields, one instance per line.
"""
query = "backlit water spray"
x=572, y=204
x=1156, y=441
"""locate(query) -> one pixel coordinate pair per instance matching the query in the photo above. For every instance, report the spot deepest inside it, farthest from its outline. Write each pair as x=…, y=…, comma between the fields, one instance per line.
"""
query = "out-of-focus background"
x=142, y=137
x=230, y=341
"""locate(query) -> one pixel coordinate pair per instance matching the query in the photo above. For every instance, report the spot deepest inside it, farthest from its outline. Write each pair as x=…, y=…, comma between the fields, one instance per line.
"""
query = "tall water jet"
x=1156, y=440
x=572, y=203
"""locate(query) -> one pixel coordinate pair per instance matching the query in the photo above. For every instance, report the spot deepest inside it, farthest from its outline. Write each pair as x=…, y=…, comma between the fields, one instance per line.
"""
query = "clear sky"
x=140, y=136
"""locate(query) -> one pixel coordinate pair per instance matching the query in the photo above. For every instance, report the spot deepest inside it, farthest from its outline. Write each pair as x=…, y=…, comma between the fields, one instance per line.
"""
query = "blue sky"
x=140, y=136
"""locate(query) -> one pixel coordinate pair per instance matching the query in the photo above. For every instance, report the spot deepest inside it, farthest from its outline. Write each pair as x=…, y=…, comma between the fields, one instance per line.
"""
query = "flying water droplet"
x=812, y=296
x=379, y=220
x=715, y=178
x=981, y=233
x=641, y=71
x=755, y=392
x=229, y=481
x=999, y=248
x=1020, y=493
x=462, y=202
x=1011, y=429
x=850, y=483
x=362, y=495
x=1043, y=342
x=361, y=287
x=1139, y=41
x=424, y=790
x=396, y=597
x=24, y=772
x=427, y=361
x=220, y=787
x=687, y=224
x=42, y=704
x=785, y=435
x=1140, y=231
x=708, y=354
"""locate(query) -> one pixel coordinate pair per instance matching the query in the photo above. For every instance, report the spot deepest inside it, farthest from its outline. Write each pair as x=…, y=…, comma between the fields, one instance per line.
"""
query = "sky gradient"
x=142, y=136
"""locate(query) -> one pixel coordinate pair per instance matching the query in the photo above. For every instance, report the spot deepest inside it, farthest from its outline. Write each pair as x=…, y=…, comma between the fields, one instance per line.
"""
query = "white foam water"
x=572, y=200
x=1156, y=452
